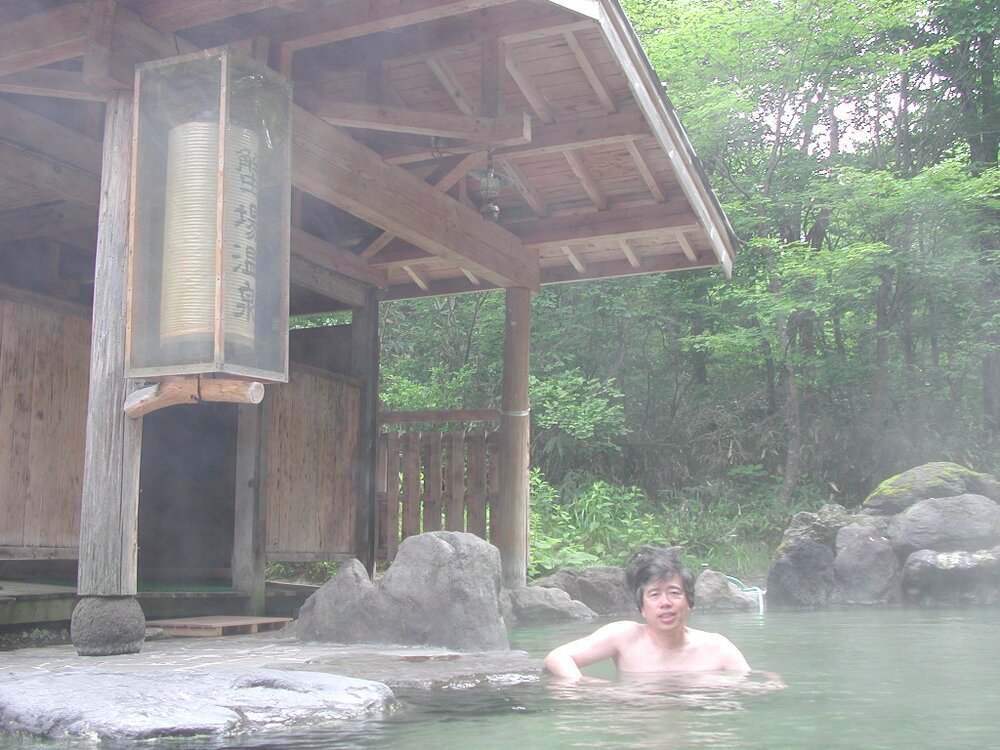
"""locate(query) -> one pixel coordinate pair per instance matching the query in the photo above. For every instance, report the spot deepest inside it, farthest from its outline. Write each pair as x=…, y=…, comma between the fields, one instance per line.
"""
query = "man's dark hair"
x=650, y=564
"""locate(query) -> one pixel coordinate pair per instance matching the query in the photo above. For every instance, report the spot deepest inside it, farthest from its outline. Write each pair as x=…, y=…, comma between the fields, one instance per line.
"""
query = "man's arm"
x=604, y=643
x=731, y=658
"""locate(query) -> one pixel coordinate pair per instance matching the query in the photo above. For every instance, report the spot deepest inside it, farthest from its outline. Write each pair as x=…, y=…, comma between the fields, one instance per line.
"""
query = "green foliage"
x=315, y=572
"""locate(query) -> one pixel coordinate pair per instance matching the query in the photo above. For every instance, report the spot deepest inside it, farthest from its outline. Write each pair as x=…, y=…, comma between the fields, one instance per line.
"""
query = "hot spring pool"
x=859, y=679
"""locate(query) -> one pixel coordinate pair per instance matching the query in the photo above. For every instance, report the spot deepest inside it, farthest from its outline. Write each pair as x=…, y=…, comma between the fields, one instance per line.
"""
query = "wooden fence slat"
x=381, y=499
x=475, y=491
x=432, y=481
x=492, y=481
x=454, y=509
x=411, y=484
x=392, y=496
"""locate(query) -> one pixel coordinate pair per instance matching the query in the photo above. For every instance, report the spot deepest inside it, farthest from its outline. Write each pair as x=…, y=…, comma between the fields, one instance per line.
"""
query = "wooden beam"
x=575, y=261
x=61, y=181
x=617, y=268
x=354, y=18
x=452, y=87
x=330, y=284
x=596, y=81
x=109, y=513
x=416, y=278
x=509, y=130
x=589, y=184
x=610, y=225
x=538, y=102
x=402, y=120
x=118, y=40
x=686, y=246
x=45, y=136
x=44, y=38
x=630, y=256
x=548, y=139
x=439, y=416
x=645, y=171
x=334, y=167
x=174, y=391
x=333, y=258
x=443, y=183
x=171, y=15
x=46, y=220
x=491, y=65
x=523, y=187
x=51, y=82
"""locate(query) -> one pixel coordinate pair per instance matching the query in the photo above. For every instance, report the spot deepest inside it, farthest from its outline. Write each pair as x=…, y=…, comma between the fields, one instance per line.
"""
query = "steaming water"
x=864, y=679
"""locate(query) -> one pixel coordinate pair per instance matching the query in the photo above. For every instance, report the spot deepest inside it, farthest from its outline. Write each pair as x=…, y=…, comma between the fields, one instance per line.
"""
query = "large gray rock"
x=867, y=571
x=600, y=588
x=105, y=625
x=937, y=479
x=535, y=605
x=940, y=578
x=442, y=589
x=802, y=577
x=714, y=591
x=130, y=705
x=945, y=524
x=821, y=527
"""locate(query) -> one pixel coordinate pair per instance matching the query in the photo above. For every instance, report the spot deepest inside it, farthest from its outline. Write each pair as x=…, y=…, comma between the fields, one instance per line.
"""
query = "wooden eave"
x=396, y=103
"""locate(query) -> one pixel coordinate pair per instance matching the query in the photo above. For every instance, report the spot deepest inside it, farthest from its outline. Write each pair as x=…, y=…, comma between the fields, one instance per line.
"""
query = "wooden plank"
x=218, y=625
x=593, y=76
x=475, y=488
x=538, y=103
x=630, y=256
x=494, y=469
x=44, y=38
x=647, y=174
x=16, y=356
x=590, y=185
x=411, y=484
x=341, y=171
x=308, y=275
x=381, y=499
x=686, y=247
x=523, y=186
x=41, y=491
x=392, y=495
x=454, y=477
x=172, y=15
x=511, y=517
x=432, y=481
x=450, y=83
x=108, y=524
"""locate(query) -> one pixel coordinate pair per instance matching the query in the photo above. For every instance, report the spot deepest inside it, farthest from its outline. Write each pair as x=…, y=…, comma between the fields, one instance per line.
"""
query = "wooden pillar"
x=250, y=518
x=510, y=523
x=365, y=367
x=109, y=515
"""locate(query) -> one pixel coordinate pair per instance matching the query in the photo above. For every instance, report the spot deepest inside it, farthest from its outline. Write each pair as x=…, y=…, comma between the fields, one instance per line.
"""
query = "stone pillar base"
x=107, y=625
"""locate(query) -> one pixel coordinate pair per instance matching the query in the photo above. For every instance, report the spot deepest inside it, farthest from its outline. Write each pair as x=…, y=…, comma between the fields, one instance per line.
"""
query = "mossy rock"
x=936, y=479
x=820, y=526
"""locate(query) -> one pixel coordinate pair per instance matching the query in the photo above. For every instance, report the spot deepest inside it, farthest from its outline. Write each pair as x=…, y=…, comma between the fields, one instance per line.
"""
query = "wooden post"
x=109, y=515
x=250, y=519
x=109, y=518
x=364, y=366
x=511, y=518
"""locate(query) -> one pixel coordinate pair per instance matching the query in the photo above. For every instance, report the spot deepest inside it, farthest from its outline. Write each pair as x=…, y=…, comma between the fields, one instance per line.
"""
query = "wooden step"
x=216, y=625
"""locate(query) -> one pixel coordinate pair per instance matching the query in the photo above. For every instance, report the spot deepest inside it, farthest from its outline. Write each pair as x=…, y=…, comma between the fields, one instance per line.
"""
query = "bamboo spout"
x=191, y=390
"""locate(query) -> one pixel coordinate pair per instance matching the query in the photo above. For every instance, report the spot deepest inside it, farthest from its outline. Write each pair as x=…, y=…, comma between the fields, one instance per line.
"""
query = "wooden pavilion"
x=400, y=109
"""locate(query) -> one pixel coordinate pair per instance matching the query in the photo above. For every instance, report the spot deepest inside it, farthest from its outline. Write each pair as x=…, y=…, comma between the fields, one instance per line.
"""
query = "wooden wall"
x=312, y=427
x=44, y=366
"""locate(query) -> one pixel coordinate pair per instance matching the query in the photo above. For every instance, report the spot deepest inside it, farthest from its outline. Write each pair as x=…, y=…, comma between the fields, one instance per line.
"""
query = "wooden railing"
x=433, y=480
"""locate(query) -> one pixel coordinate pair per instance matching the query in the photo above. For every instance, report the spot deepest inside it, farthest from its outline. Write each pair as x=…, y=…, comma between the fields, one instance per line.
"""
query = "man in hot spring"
x=664, y=592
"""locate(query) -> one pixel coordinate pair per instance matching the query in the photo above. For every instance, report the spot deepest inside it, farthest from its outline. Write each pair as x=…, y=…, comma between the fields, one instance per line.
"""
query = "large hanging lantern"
x=209, y=225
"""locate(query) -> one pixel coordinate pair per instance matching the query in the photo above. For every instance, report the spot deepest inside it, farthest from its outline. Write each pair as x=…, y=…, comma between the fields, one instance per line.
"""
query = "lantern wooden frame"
x=209, y=227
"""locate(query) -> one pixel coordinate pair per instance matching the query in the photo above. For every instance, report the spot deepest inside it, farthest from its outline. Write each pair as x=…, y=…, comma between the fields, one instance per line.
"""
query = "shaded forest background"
x=853, y=144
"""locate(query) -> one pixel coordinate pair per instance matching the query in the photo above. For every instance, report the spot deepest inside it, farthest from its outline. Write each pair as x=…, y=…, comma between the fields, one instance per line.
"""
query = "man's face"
x=664, y=604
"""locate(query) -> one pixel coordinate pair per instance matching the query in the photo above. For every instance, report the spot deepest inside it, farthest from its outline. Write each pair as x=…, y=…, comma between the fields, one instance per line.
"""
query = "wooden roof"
x=397, y=102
